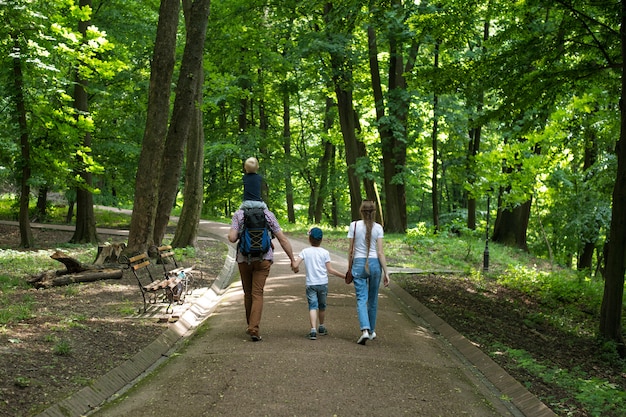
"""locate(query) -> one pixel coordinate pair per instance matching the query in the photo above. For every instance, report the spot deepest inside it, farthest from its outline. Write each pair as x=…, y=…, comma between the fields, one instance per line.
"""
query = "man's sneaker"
x=256, y=338
x=322, y=330
x=372, y=335
x=313, y=335
x=364, y=338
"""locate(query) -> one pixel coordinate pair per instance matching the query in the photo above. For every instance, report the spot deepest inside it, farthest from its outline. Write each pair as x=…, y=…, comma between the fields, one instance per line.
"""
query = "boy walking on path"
x=317, y=264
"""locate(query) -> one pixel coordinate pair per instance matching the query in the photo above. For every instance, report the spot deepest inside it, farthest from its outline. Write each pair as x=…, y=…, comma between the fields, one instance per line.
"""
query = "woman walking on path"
x=368, y=264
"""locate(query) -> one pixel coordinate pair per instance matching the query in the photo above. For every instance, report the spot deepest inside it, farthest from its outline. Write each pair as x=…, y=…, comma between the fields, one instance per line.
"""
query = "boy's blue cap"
x=316, y=233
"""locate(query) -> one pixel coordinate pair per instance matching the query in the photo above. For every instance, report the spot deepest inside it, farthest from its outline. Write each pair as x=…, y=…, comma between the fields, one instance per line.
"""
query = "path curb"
x=478, y=362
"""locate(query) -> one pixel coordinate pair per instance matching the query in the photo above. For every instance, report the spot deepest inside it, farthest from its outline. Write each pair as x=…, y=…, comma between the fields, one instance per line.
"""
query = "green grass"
x=62, y=348
x=56, y=214
x=14, y=310
x=599, y=396
x=112, y=219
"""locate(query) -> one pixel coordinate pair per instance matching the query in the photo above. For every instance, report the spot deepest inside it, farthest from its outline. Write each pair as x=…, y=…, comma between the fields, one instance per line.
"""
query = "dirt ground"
x=492, y=316
x=76, y=333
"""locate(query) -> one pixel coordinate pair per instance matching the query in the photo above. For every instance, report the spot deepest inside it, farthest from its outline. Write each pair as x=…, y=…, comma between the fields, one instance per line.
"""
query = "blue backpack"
x=255, y=238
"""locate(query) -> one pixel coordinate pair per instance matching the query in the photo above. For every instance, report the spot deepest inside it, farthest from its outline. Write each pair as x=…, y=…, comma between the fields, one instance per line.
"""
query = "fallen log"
x=51, y=279
x=75, y=272
x=72, y=265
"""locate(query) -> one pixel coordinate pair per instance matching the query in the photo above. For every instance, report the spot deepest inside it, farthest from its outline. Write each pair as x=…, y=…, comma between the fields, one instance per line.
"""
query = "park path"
x=417, y=366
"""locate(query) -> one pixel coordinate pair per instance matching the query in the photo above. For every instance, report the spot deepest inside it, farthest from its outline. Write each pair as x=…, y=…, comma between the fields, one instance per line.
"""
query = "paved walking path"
x=417, y=366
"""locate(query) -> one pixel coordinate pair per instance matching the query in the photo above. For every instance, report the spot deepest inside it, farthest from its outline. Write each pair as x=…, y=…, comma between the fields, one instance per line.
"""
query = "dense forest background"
x=445, y=112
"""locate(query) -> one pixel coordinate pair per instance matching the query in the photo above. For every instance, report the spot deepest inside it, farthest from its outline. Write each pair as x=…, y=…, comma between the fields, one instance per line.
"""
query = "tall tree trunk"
x=511, y=225
x=291, y=212
x=393, y=141
x=342, y=83
x=334, y=192
x=325, y=164
x=42, y=202
x=70, y=195
x=612, y=300
x=475, y=132
x=346, y=122
x=85, y=231
x=394, y=155
x=369, y=186
x=474, y=143
x=140, y=235
x=435, y=167
x=26, y=233
x=187, y=227
x=585, y=257
x=181, y=115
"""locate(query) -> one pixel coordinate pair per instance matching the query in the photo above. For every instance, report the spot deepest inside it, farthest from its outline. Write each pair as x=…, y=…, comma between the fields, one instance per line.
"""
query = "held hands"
x=294, y=267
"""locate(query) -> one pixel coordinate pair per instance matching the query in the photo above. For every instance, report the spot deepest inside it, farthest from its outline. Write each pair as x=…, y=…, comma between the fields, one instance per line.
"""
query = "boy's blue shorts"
x=316, y=296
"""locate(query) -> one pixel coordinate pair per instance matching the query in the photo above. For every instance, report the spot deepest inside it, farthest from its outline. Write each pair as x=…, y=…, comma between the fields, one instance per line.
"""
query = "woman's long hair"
x=368, y=214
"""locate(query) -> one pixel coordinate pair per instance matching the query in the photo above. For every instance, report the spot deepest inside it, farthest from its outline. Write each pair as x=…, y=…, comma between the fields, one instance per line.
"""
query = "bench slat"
x=141, y=265
x=138, y=257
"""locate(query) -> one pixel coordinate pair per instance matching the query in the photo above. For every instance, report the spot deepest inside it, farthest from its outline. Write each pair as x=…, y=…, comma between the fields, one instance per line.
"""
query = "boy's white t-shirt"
x=315, y=259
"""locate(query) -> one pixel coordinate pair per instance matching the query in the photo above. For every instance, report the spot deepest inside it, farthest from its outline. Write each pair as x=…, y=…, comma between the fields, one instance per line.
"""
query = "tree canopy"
x=428, y=107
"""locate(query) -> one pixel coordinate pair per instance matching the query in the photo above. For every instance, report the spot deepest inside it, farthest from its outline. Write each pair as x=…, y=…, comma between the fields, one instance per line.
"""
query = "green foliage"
x=73, y=322
x=559, y=285
x=519, y=84
x=62, y=348
x=111, y=219
x=128, y=308
x=57, y=212
x=14, y=310
x=22, y=382
x=600, y=397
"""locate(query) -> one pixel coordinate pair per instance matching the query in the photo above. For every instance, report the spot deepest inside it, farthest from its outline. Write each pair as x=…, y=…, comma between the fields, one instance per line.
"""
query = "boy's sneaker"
x=372, y=335
x=322, y=330
x=313, y=335
x=364, y=338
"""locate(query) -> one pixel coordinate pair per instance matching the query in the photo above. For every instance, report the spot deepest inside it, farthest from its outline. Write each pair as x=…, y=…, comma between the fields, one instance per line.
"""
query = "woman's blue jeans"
x=366, y=288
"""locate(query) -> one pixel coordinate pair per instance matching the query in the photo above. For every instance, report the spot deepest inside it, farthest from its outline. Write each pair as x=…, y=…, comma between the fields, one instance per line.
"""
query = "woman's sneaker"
x=364, y=338
x=312, y=334
x=322, y=330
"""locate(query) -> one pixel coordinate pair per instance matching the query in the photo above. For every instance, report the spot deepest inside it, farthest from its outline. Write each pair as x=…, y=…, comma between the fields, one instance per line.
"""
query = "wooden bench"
x=154, y=285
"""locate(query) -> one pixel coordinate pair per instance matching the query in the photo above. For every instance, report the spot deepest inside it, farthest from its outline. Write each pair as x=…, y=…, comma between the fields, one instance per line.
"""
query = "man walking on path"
x=254, y=270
